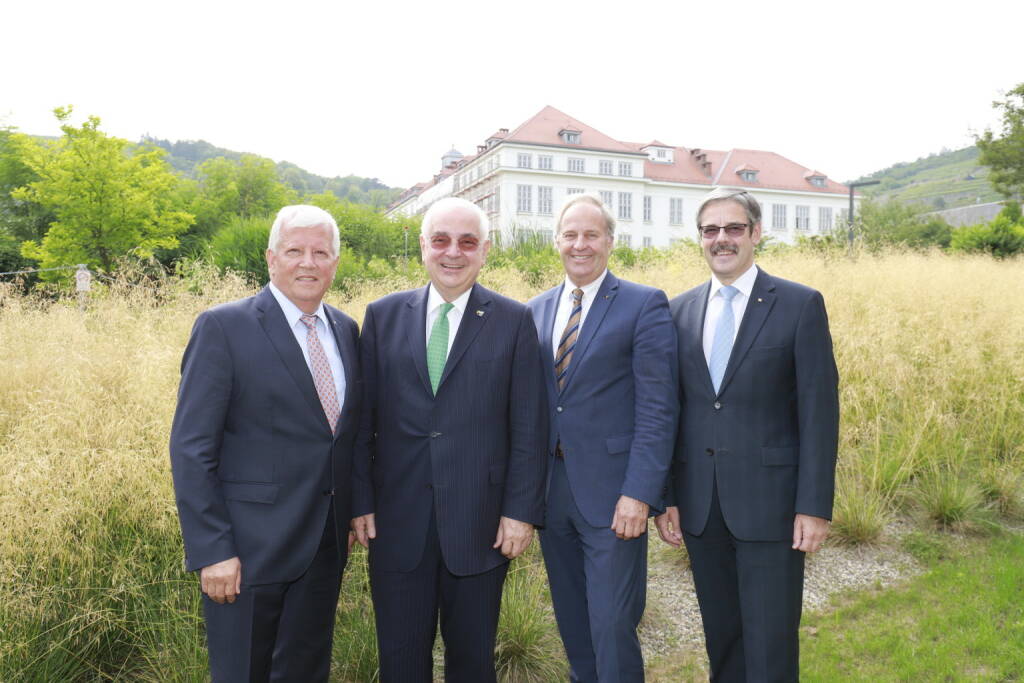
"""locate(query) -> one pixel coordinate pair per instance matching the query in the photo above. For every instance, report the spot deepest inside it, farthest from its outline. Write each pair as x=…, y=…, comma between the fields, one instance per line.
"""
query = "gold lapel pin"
x=479, y=314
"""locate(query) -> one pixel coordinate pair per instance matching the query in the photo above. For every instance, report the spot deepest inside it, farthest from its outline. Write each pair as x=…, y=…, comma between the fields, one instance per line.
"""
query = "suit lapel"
x=694, y=328
x=415, y=324
x=602, y=302
x=473, y=320
x=762, y=298
x=347, y=350
x=272, y=319
x=547, y=330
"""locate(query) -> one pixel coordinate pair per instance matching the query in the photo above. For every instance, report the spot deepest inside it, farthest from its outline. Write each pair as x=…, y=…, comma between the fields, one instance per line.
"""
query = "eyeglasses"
x=710, y=232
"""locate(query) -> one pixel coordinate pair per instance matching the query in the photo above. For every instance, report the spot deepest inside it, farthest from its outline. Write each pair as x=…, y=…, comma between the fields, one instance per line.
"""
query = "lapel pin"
x=759, y=299
x=479, y=314
x=605, y=296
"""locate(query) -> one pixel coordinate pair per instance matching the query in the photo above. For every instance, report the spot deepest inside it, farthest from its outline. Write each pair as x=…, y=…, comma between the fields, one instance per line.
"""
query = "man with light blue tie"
x=609, y=365
x=753, y=474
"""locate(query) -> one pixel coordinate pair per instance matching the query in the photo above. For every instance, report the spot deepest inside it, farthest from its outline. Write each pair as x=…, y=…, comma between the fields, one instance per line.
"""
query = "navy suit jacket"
x=616, y=415
x=471, y=454
x=769, y=436
x=252, y=454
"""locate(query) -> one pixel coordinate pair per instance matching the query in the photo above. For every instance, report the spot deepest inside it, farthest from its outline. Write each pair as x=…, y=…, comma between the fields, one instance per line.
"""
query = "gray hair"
x=442, y=205
x=303, y=216
x=587, y=198
x=733, y=194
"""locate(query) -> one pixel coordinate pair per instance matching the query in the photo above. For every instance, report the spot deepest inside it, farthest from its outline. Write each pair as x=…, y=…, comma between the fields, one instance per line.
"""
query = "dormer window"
x=815, y=178
x=748, y=176
x=569, y=136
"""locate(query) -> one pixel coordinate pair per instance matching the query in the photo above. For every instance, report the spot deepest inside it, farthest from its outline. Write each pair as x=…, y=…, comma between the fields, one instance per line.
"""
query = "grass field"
x=930, y=350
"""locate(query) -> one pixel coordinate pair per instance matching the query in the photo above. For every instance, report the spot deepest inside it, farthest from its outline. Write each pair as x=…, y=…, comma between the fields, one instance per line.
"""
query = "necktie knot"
x=446, y=308
x=577, y=296
x=308, y=320
x=728, y=292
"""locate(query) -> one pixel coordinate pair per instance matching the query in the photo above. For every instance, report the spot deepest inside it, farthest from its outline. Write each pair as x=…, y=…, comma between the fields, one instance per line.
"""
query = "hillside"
x=940, y=181
x=186, y=155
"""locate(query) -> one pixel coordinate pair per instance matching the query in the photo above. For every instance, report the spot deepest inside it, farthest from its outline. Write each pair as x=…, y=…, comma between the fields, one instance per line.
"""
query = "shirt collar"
x=589, y=290
x=292, y=313
x=744, y=283
x=434, y=300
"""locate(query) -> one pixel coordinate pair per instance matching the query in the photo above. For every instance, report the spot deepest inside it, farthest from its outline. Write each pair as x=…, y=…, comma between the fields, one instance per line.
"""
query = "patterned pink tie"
x=322, y=376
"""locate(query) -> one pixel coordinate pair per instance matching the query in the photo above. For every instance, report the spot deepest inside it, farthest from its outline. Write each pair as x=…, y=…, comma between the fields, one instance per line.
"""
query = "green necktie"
x=437, y=347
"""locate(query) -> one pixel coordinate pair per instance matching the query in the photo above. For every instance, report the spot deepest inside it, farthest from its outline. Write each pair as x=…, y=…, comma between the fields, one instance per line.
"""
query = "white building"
x=522, y=177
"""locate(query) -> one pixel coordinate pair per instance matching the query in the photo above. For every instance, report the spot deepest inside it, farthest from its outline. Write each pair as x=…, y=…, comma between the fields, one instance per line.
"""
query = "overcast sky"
x=385, y=88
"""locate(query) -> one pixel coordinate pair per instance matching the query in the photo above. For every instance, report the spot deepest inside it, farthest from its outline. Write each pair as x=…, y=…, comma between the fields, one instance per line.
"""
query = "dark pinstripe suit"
x=439, y=471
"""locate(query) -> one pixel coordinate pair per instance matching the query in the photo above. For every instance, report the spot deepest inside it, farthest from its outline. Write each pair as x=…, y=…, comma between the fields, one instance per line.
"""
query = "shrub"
x=1000, y=238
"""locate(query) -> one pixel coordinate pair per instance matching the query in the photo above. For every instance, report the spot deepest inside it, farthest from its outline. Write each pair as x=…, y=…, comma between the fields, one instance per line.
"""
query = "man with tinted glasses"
x=450, y=459
x=754, y=468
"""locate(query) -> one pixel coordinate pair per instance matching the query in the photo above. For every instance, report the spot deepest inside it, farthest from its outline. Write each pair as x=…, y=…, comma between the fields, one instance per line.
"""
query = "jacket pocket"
x=250, y=492
x=780, y=456
x=619, y=444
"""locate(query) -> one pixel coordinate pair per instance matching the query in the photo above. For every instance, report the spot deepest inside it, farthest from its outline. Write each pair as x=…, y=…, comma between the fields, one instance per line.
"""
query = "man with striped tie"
x=261, y=449
x=609, y=351
x=754, y=467
x=450, y=456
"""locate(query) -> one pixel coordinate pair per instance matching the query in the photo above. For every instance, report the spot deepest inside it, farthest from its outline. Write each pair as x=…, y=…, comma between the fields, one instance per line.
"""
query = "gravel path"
x=672, y=619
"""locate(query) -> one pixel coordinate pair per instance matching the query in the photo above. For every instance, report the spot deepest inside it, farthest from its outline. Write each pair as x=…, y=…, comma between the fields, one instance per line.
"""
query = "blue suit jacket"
x=616, y=416
x=252, y=454
x=770, y=435
x=471, y=454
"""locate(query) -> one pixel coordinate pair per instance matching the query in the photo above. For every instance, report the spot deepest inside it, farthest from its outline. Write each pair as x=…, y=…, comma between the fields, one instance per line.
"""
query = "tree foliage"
x=108, y=199
x=1002, y=237
x=893, y=222
x=1005, y=154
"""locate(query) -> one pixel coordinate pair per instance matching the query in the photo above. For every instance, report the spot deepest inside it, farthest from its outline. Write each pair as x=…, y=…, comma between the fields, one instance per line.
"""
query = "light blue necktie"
x=725, y=332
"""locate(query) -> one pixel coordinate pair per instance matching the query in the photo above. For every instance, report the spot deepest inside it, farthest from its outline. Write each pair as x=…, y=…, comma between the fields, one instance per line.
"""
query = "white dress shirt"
x=565, y=308
x=434, y=301
x=745, y=284
x=323, y=332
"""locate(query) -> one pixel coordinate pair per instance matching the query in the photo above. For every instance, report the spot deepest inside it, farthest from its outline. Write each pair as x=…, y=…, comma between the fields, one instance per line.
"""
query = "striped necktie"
x=725, y=334
x=565, y=347
x=323, y=378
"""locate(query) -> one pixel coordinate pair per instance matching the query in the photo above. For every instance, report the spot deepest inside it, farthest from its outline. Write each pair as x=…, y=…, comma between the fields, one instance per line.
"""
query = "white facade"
x=522, y=187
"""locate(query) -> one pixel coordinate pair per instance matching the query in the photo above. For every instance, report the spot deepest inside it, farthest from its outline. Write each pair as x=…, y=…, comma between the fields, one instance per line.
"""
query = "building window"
x=778, y=217
x=574, y=190
x=626, y=205
x=675, y=211
x=824, y=218
x=571, y=137
x=818, y=181
x=524, y=198
x=606, y=197
x=647, y=209
x=525, y=161
x=604, y=167
x=544, y=162
x=803, y=217
x=543, y=199
x=575, y=165
x=625, y=240
x=625, y=168
x=648, y=242
x=545, y=236
x=661, y=154
x=748, y=176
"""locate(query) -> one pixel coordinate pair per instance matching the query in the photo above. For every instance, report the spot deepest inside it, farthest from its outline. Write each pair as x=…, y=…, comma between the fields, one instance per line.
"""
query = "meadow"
x=930, y=349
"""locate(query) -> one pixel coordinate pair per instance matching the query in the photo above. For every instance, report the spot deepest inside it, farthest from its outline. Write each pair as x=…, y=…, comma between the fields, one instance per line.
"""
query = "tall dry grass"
x=930, y=349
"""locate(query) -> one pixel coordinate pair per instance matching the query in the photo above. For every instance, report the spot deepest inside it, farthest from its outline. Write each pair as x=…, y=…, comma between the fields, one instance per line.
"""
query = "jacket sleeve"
x=363, y=502
x=204, y=396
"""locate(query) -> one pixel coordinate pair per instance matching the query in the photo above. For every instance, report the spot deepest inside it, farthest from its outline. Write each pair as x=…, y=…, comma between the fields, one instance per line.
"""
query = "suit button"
x=329, y=492
x=717, y=405
x=711, y=451
x=430, y=486
x=434, y=435
x=558, y=409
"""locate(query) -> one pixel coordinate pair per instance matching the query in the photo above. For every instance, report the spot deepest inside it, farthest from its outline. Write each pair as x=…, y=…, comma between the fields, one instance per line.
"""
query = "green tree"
x=108, y=199
x=893, y=222
x=1003, y=237
x=1004, y=154
x=20, y=219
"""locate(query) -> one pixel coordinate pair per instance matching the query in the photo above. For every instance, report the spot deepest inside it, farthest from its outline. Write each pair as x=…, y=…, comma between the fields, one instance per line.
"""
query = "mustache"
x=723, y=249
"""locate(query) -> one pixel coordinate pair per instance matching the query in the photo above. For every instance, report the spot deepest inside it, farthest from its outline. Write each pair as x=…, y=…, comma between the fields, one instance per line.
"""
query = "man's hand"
x=668, y=526
x=365, y=529
x=809, y=533
x=513, y=537
x=222, y=581
x=630, y=520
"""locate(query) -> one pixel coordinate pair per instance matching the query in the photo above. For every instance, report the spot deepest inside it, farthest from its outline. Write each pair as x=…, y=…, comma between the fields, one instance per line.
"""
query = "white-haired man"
x=261, y=450
x=450, y=463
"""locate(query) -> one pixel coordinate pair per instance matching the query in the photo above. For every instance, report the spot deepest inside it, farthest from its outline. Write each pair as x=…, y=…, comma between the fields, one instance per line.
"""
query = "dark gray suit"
x=747, y=460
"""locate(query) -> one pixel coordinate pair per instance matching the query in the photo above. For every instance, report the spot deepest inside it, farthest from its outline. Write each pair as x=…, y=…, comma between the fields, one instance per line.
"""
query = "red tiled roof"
x=543, y=128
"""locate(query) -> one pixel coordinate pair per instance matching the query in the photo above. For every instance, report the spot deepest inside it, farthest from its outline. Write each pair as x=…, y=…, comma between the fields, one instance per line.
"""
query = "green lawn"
x=963, y=620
